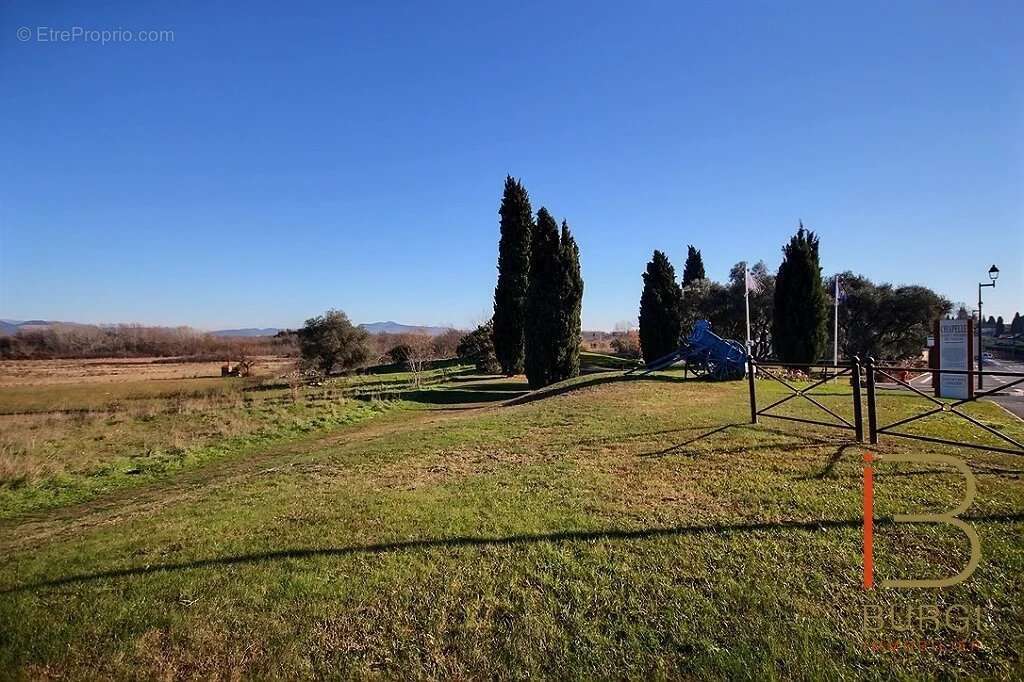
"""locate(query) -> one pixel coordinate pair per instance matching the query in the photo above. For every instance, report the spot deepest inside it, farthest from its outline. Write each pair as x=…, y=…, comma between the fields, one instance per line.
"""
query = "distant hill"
x=391, y=327
x=11, y=327
x=250, y=331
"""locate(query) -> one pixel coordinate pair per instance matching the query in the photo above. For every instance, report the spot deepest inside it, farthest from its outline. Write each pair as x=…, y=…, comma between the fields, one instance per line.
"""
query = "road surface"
x=1011, y=398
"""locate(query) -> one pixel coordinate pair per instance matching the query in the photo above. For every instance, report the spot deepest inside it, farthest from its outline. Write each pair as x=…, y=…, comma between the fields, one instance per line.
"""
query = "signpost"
x=955, y=351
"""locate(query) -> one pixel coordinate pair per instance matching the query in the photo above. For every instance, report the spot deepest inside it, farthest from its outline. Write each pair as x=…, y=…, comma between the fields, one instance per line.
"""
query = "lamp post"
x=993, y=274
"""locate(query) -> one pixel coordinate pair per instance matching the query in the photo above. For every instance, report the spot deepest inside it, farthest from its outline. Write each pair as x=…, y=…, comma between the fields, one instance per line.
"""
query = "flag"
x=840, y=294
x=752, y=284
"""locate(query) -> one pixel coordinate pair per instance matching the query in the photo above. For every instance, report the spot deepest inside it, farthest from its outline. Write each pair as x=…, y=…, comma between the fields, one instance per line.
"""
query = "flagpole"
x=746, y=305
x=835, y=330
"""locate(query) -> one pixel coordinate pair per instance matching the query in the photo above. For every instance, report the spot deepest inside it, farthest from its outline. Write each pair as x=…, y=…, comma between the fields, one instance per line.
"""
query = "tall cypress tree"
x=1017, y=325
x=693, y=270
x=543, y=308
x=660, y=322
x=800, y=322
x=570, y=297
x=513, y=277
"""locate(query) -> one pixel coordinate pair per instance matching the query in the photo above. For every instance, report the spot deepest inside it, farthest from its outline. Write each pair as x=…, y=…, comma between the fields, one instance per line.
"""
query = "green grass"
x=62, y=444
x=601, y=361
x=606, y=528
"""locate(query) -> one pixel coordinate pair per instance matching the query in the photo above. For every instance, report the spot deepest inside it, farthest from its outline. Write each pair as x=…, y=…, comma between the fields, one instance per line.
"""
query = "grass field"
x=465, y=528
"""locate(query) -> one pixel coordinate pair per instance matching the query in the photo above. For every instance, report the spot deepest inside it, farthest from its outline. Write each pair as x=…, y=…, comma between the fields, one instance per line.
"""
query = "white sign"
x=953, y=355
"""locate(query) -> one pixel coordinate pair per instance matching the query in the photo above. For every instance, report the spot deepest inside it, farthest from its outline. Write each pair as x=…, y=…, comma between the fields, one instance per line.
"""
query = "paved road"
x=1012, y=398
x=924, y=381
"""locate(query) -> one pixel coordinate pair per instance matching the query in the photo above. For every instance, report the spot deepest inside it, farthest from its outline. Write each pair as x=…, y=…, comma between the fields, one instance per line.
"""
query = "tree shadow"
x=598, y=535
x=450, y=396
x=593, y=380
x=498, y=386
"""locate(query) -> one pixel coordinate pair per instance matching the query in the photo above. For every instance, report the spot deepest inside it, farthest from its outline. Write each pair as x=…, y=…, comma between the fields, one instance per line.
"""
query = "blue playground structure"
x=705, y=354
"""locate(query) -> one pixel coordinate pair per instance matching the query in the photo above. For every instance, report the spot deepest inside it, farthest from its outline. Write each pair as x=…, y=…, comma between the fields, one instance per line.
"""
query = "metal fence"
x=771, y=370
x=871, y=372
x=875, y=370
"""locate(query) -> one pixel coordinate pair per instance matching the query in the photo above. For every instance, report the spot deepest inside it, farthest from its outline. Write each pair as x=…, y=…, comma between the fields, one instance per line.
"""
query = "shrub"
x=331, y=341
x=477, y=347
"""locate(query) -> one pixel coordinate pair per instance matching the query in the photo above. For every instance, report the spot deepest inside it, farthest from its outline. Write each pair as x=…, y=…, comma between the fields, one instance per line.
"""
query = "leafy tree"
x=762, y=303
x=991, y=321
x=886, y=322
x=509, y=319
x=800, y=319
x=331, y=341
x=706, y=299
x=570, y=295
x=1000, y=326
x=1017, y=325
x=962, y=314
x=660, y=323
x=693, y=269
x=477, y=347
x=723, y=306
x=399, y=354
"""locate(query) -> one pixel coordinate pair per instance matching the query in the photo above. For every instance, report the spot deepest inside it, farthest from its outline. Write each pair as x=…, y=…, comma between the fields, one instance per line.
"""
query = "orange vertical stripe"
x=869, y=510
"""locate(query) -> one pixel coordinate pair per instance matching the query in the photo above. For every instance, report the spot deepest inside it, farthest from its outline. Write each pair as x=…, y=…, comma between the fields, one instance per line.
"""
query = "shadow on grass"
x=592, y=380
x=806, y=442
x=503, y=386
x=452, y=396
x=613, y=534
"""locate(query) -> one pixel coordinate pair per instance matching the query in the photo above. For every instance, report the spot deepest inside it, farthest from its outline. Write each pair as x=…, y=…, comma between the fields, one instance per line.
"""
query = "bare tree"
x=420, y=353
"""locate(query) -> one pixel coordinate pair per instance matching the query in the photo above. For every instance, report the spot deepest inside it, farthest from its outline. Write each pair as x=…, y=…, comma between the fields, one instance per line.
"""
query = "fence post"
x=753, y=391
x=858, y=418
x=872, y=422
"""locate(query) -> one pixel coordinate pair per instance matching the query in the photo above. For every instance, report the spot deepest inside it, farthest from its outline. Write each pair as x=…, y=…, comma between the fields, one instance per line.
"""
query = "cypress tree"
x=570, y=298
x=513, y=277
x=660, y=321
x=800, y=322
x=693, y=269
x=543, y=308
x=1017, y=325
x=1000, y=326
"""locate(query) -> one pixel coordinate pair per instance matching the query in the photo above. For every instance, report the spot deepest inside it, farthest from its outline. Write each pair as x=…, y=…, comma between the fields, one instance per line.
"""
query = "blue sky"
x=277, y=159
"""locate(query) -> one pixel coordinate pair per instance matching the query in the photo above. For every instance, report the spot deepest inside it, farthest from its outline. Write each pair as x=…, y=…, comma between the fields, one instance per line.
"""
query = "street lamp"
x=993, y=274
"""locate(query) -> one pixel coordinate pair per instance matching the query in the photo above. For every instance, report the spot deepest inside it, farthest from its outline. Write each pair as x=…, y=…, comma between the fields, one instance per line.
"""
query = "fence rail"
x=941, y=407
x=852, y=370
x=871, y=372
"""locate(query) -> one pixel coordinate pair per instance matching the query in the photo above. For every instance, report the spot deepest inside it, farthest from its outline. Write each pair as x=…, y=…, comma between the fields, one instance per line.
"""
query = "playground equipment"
x=705, y=354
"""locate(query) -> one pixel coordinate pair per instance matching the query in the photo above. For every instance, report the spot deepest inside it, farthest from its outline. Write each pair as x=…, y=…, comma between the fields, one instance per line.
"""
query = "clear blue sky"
x=277, y=159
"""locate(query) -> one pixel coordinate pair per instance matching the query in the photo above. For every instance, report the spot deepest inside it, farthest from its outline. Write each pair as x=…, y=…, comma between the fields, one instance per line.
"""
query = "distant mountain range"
x=391, y=327
x=249, y=331
x=11, y=327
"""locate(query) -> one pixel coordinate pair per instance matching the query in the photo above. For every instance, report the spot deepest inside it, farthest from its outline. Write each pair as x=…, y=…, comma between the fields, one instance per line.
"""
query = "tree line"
x=790, y=311
x=57, y=340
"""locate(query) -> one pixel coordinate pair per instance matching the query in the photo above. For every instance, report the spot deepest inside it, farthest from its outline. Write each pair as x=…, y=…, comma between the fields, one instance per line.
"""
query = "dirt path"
x=30, y=530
